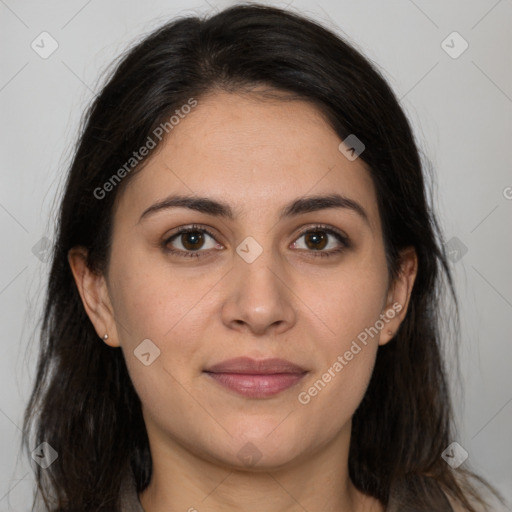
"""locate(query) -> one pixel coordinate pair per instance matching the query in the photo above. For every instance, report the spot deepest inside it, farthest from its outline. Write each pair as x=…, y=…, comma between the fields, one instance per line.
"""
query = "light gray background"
x=462, y=113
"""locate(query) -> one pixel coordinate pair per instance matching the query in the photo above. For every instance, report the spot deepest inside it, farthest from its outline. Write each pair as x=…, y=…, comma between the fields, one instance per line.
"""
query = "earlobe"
x=94, y=294
x=399, y=294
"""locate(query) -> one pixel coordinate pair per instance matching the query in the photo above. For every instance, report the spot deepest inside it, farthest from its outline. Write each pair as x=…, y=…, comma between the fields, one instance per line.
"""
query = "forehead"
x=252, y=153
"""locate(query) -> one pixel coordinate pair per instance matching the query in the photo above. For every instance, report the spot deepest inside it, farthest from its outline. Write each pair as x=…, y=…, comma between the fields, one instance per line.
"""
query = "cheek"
x=167, y=306
x=148, y=298
x=330, y=397
x=346, y=303
x=349, y=306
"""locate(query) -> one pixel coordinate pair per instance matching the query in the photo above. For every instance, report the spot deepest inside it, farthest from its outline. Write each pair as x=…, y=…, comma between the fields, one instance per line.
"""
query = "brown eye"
x=316, y=240
x=320, y=237
x=192, y=240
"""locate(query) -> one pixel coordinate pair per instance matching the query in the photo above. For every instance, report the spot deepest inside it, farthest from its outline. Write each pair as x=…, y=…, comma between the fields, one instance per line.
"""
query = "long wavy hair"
x=83, y=398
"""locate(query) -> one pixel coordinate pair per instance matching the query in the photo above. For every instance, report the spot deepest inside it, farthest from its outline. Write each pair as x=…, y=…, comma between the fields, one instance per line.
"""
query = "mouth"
x=256, y=379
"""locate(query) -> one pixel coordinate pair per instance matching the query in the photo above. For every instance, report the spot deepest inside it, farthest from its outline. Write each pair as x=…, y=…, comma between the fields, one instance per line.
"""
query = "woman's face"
x=259, y=287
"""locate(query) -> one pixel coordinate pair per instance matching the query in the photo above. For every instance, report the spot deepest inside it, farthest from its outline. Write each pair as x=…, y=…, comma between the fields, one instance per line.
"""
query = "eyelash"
x=194, y=228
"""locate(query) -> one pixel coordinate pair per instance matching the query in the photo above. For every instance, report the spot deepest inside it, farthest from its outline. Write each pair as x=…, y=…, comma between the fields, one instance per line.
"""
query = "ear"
x=399, y=294
x=94, y=294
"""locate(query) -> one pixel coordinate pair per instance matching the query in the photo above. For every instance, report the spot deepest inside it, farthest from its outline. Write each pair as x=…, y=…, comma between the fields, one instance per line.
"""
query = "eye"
x=317, y=239
x=192, y=239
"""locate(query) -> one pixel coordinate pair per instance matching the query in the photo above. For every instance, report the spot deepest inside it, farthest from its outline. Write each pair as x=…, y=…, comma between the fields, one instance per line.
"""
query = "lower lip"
x=257, y=386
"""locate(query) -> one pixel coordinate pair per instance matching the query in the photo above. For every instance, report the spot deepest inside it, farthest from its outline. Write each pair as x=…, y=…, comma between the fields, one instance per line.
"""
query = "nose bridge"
x=258, y=262
x=258, y=295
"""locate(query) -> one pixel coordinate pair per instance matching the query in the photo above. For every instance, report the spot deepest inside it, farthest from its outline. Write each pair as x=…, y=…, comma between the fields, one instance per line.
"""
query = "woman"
x=243, y=305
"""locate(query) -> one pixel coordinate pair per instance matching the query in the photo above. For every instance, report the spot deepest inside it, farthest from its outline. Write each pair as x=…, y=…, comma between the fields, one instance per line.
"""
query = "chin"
x=264, y=450
x=253, y=459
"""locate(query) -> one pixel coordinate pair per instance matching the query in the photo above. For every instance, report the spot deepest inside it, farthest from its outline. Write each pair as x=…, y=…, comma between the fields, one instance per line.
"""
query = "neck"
x=182, y=480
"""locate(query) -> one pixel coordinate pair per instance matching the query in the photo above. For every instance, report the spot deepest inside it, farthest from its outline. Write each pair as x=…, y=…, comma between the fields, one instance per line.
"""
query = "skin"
x=257, y=155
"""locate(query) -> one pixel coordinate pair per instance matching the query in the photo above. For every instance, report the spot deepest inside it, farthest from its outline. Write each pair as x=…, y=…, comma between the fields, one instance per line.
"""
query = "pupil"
x=317, y=237
x=196, y=238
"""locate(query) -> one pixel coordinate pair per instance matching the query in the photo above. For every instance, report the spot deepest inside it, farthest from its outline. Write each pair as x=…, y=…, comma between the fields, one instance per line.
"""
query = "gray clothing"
x=128, y=495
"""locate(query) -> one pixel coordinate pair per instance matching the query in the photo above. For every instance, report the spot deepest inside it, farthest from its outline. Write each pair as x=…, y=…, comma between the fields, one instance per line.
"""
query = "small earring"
x=390, y=333
x=105, y=336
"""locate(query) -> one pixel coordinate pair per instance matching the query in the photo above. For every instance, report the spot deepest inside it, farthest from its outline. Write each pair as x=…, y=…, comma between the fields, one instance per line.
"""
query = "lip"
x=256, y=378
x=251, y=366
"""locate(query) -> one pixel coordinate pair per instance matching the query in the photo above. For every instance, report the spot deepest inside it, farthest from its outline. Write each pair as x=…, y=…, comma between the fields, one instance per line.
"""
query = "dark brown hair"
x=83, y=397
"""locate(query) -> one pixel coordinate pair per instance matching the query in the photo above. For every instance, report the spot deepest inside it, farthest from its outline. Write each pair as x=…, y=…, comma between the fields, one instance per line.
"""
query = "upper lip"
x=248, y=366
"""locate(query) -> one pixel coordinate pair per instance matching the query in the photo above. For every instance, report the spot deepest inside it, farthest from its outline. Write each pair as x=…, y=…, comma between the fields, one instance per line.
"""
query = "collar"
x=128, y=496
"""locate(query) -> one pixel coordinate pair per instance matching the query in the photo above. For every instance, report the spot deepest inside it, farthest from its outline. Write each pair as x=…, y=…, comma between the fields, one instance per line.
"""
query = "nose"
x=259, y=298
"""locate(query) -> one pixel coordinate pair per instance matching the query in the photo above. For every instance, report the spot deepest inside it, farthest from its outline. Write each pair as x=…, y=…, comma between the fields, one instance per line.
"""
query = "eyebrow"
x=219, y=208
